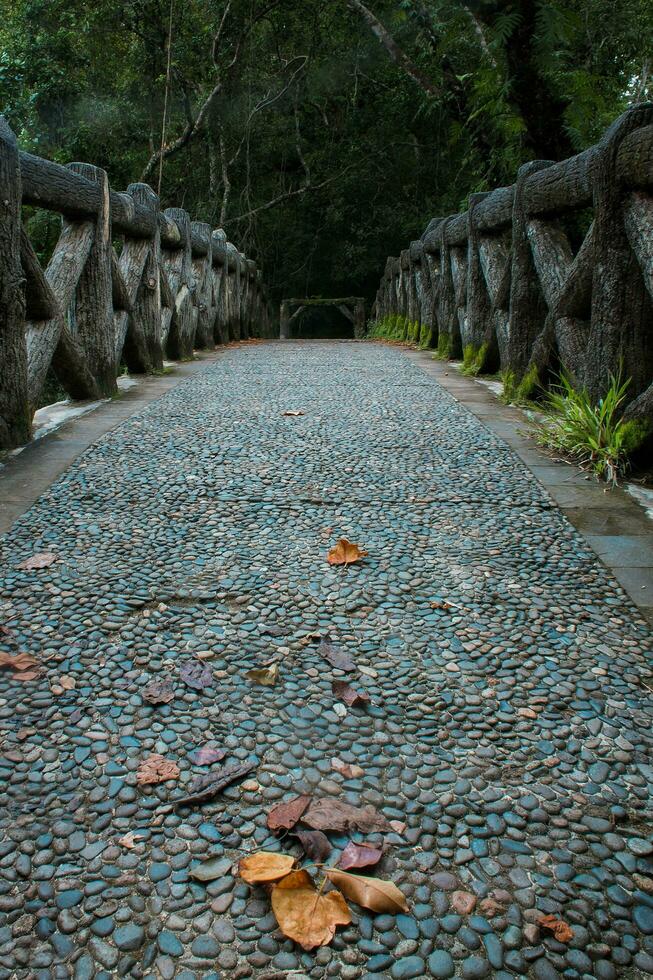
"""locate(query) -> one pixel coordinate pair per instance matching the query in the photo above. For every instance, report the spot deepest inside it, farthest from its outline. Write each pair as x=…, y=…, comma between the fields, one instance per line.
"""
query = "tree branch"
x=297, y=192
x=397, y=54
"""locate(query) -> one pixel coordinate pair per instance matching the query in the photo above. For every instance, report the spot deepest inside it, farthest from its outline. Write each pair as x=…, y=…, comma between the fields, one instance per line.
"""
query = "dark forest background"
x=321, y=134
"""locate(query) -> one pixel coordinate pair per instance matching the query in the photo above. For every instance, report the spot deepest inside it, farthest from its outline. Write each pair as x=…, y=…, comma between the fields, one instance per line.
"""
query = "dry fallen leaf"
x=130, y=839
x=42, y=559
x=265, y=866
x=315, y=843
x=205, y=787
x=24, y=666
x=398, y=826
x=332, y=814
x=159, y=691
x=156, y=769
x=336, y=656
x=348, y=694
x=345, y=553
x=67, y=682
x=347, y=770
x=304, y=914
x=206, y=755
x=293, y=413
x=371, y=893
x=560, y=929
x=264, y=675
x=284, y=816
x=359, y=856
x=196, y=674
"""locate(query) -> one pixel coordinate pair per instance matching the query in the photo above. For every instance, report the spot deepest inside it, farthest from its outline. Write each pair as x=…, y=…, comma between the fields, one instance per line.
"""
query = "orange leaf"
x=156, y=769
x=43, y=559
x=304, y=914
x=371, y=893
x=562, y=932
x=345, y=553
x=265, y=866
x=25, y=667
x=130, y=839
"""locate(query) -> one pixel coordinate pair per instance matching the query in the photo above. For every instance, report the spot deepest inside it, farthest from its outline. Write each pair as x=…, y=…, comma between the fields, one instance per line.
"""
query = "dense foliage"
x=297, y=125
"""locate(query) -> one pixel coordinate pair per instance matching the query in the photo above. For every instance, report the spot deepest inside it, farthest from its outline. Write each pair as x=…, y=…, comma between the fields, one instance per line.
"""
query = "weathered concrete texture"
x=512, y=731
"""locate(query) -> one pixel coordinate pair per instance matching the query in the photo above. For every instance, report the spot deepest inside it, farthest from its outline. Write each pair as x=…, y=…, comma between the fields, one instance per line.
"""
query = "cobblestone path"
x=510, y=732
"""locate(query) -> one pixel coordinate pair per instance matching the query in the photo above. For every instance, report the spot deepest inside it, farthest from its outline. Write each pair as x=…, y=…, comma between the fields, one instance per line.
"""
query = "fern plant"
x=595, y=436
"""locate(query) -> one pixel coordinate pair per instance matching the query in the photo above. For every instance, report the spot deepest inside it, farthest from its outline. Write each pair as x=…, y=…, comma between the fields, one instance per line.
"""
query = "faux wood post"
x=479, y=332
x=238, y=299
x=179, y=268
x=527, y=306
x=203, y=294
x=93, y=309
x=448, y=328
x=622, y=314
x=139, y=264
x=219, y=273
x=284, y=328
x=15, y=415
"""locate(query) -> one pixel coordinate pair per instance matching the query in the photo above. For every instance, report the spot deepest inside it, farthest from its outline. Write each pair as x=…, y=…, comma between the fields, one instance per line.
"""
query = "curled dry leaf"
x=315, y=843
x=345, y=553
x=347, y=770
x=305, y=915
x=284, y=816
x=359, y=856
x=293, y=413
x=24, y=666
x=206, y=755
x=67, y=682
x=130, y=839
x=349, y=694
x=336, y=656
x=371, y=893
x=264, y=675
x=196, y=674
x=156, y=769
x=159, y=691
x=265, y=866
x=332, y=814
x=206, y=787
x=560, y=929
x=42, y=559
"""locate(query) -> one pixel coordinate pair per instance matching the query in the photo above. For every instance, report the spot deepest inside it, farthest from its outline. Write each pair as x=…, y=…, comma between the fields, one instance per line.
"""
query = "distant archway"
x=352, y=307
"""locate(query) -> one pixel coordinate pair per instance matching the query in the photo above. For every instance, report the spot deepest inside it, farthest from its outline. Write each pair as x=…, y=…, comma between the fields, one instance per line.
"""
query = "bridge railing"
x=555, y=271
x=172, y=285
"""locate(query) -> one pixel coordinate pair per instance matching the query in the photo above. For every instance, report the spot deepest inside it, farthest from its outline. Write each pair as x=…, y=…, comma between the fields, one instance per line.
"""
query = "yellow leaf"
x=345, y=553
x=265, y=866
x=304, y=914
x=372, y=893
x=264, y=675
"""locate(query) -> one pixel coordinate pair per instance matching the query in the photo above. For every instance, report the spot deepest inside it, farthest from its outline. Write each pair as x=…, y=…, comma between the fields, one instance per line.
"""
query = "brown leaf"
x=284, y=816
x=265, y=866
x=560, y=929
x=359, y=856
x=332, y=814
x=130, y=839
x=42, y=559
x=207, y=786
x=156, y=769
x=345, y=692
x=345, y=553
x=206, y=755
x=304, y=914
x=371, y=893
x=264, y=675
x=347, y=770
x=67, y=682
x=336, y=656
x=293, y=413
x=398, y=826
x=25, y=667
x=159, y=691
x=315, y=843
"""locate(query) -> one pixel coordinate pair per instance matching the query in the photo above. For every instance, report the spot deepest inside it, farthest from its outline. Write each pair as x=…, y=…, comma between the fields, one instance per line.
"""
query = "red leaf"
x=345, y=692
x=359, y=856
x=284, y=816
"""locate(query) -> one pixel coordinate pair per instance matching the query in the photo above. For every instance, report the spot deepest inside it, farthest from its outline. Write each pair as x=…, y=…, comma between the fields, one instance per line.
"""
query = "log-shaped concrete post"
x=179, y=269
x=139, y=264
x=203, y=295
x=15, y=415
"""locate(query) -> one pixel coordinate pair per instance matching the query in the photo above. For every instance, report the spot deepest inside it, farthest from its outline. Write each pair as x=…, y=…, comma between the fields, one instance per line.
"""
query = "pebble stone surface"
x=512, y=732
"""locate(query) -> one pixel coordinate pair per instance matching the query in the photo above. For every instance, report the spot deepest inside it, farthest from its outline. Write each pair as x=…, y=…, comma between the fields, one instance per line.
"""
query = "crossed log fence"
x=502, y=286
x=175, y=285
